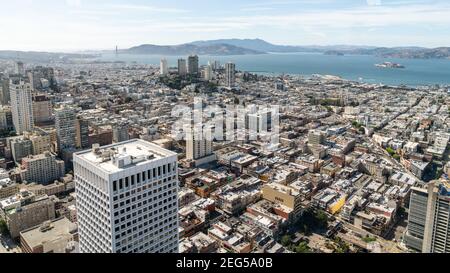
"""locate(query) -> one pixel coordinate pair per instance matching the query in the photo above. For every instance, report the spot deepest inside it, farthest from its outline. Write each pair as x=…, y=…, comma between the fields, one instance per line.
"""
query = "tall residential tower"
x=230, y=74
x=429, y=218
x=127, y=198
x=164, y=67
x=21, y=105
x=192, y=65
x=182, y=67
x=65, y=123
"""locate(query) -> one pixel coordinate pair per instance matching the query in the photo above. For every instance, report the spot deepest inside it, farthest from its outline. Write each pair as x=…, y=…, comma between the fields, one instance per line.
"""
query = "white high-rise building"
x=65, y=123
x=182, y=68
x=428, y=228
x=197, y=148
x=21, y=105
x=127, y=198
x=164, y=67
x=208, y=72
x=230, y=74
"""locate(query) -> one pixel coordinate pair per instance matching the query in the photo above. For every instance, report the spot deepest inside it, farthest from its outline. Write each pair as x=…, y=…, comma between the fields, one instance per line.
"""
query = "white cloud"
x=144, y=8
x=73, y=3
x=374, y=2
x=104, y=26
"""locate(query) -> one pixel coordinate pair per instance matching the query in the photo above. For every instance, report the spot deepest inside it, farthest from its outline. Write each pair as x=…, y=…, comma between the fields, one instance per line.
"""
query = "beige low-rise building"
x=41, y=141
x=7, y=188
x=42, y=168
x=26, y=210
x=289, y=198
x=51, y=189
x=56, y=236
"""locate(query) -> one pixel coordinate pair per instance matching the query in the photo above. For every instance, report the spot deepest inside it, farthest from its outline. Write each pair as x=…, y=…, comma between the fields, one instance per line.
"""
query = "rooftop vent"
x=95, y=148
x=46, y=226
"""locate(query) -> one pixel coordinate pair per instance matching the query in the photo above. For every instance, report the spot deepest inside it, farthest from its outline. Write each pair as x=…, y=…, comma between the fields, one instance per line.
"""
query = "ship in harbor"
x=389, y=65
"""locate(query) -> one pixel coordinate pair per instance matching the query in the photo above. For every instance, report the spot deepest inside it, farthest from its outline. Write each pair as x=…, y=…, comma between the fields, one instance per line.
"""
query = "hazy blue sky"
x=102, y=24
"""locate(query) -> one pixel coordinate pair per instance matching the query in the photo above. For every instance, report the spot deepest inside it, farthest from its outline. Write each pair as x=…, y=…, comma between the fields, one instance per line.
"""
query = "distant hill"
x=403, y=52
x=186, y=49
x=261, y=45
x=40, y=56
x=225, y=47
x=394, y=52
x=255, y=44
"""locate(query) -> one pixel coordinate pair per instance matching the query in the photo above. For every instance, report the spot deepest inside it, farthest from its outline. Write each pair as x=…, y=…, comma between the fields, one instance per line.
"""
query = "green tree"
x=356, y=124
x=286, y=240
x=321, y=219
x=303, y=248
x=369, y=239
x=342, y=247
x=390, y=151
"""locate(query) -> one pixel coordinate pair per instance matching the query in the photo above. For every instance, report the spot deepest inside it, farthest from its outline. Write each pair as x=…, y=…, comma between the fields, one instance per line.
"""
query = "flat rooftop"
x=119, y=156
x=54, y=231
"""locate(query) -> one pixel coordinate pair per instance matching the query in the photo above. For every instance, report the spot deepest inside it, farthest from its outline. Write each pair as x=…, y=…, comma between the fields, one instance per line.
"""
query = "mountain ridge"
x=259, y=46
x=187, y=49
x=224, y=47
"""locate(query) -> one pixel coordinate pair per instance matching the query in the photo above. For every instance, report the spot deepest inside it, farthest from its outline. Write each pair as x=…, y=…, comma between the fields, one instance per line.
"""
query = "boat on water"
x=389, y=65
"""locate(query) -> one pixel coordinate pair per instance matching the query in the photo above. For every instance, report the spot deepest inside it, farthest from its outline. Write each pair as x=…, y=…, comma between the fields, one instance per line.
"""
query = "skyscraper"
x=197, y=148
x=21, y=105
x=182, y=67
x=19, y=68
x=120, y=133
x=164, y=68
x=193, y=65
x=199, y=145
x=42, y=109
x=208, y=72
x=82, y=133
x=230, y=76
x=429, y=218
x=4, y=90
x=127, y=198
x=65, y=121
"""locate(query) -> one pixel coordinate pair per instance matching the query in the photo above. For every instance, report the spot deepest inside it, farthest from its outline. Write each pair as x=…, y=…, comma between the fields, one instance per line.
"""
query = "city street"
x=8, y=246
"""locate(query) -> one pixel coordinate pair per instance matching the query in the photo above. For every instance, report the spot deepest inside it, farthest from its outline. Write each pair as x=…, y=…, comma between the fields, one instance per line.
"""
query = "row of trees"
x=393, y=153
x=301, y=247
x=311, y=221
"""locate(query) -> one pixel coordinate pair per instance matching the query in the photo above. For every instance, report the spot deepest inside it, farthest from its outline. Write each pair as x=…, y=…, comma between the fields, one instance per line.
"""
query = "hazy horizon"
x=112, y=49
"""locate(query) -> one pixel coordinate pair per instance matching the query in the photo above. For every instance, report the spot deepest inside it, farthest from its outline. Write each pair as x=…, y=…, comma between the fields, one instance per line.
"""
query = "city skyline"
x=225, y=127
x=93, y=25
